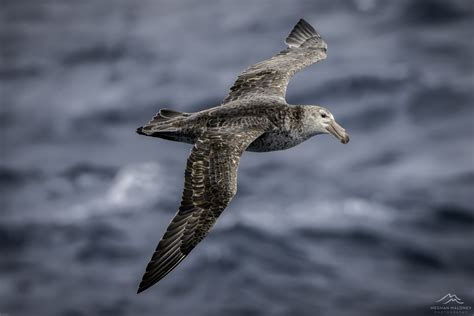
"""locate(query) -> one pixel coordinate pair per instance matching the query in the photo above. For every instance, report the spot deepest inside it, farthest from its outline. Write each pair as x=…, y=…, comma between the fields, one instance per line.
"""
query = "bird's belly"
x=274, y=141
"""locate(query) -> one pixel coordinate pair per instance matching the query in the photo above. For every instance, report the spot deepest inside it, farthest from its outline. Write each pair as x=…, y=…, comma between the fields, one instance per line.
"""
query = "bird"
x=253, y=117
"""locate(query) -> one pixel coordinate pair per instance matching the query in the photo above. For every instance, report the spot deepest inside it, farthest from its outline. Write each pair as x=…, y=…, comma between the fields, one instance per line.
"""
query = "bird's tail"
x=167, y=124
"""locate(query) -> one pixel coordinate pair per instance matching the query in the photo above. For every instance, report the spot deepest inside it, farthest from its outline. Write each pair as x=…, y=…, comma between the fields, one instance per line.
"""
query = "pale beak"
x=338, y=132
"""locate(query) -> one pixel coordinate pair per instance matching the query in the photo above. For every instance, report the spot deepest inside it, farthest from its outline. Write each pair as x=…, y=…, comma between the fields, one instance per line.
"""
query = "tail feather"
x=166, y=122
x=168, y=113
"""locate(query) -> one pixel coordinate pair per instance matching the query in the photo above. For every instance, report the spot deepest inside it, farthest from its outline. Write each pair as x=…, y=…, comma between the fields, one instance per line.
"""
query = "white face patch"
x=325, y=115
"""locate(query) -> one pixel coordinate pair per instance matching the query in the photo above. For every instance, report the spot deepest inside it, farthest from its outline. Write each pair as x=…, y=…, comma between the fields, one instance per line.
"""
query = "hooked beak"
x=338, y=132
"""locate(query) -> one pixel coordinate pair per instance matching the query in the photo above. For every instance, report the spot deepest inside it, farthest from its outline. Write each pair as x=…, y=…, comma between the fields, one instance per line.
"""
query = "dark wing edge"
x=302, y=32
x=210, y=184
x=270, y=77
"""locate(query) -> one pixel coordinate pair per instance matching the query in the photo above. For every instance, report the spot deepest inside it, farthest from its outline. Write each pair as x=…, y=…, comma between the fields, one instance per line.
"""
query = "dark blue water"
x=381, y=226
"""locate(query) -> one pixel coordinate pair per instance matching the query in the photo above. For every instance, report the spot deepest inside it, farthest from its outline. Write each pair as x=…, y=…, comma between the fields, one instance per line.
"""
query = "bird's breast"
x=276, y=140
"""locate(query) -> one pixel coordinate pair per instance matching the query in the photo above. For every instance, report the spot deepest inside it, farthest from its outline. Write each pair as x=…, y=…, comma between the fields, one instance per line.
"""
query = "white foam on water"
x=134, y=188
x=135, y=185
x=310, y=213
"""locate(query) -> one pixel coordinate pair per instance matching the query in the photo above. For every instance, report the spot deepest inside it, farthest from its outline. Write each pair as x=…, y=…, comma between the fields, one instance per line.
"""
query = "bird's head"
x=319, y=120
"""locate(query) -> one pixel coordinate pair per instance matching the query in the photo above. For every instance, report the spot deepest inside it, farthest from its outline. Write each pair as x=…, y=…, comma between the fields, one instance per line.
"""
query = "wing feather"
x=210, y=184
x=270, y=77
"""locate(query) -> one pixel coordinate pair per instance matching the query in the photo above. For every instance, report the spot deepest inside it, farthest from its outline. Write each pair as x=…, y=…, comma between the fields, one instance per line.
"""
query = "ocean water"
x=381, y=226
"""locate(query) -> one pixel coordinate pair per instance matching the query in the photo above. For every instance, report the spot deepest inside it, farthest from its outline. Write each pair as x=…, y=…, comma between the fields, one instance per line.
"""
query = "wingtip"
x=302, y=21
x=301, y=32
x=142, y=288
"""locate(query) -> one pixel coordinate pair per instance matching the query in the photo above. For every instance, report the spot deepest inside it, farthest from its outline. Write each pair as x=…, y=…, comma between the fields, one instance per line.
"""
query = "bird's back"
x=186, y=127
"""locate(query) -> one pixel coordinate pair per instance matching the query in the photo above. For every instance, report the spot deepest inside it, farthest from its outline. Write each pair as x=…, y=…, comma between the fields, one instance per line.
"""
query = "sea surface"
x=381, y=226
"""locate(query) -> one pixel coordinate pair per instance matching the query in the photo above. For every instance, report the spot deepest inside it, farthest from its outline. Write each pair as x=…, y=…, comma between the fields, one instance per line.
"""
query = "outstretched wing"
x=270, y=77
x=210, y=184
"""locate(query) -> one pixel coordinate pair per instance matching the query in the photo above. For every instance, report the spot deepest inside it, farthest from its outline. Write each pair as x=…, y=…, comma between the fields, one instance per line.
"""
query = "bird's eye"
x=323, y=115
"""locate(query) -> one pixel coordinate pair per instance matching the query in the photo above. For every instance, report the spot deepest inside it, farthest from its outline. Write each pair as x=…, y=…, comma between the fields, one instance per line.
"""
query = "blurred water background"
x=381, y=226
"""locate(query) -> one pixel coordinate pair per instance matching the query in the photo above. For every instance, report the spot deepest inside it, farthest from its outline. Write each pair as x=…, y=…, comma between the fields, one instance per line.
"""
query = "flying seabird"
x=253, y=117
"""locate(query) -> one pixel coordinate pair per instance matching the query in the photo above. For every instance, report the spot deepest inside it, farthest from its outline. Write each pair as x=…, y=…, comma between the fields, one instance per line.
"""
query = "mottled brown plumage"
x=270, y=77
x=254, y=117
